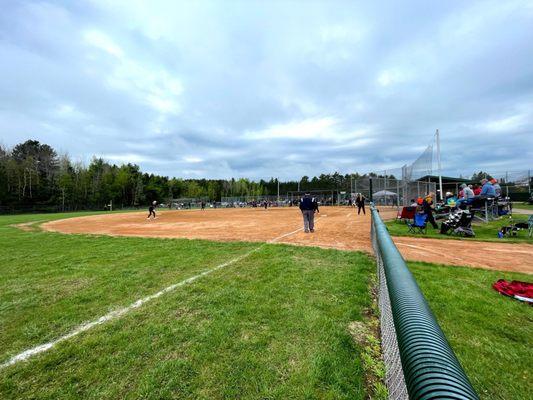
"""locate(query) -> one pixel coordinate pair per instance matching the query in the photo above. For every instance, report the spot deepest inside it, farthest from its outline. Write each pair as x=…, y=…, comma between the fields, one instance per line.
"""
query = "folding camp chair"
x=406, y=214
x=464, y=227
x=419, y=224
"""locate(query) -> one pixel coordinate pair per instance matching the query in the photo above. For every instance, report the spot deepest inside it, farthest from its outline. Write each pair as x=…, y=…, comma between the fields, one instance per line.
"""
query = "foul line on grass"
x=122, y=311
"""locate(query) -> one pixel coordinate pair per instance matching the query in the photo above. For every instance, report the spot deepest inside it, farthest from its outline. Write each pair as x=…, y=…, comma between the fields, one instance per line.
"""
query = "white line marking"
x=122, y=311
x=425, y=249
x=285, y=235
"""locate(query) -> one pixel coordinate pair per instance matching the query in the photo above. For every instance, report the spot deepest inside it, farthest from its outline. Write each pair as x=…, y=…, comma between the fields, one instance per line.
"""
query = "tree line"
x=34, y=174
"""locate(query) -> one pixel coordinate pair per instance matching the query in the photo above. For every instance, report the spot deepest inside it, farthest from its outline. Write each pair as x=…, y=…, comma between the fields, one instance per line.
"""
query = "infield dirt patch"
x=336, y=227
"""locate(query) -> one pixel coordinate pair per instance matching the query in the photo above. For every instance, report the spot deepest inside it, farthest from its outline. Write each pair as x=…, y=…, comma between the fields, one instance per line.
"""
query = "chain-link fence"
x=515, y=184
x=392, y=192
x=186, y=203
x=326, y=197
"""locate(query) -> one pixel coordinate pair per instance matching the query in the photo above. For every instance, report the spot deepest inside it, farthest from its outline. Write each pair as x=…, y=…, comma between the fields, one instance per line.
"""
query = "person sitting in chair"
x=497, y=187
x=467, y=195
x=487, y=189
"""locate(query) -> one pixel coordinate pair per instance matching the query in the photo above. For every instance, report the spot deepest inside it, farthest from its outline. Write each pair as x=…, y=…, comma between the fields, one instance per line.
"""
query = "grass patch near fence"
x=523, y=206
x=491, y=334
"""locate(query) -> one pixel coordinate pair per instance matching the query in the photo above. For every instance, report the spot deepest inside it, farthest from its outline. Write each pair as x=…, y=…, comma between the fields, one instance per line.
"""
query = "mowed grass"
x=523, y=206
x=491, y=334
x=486, y=232
x=273, y=325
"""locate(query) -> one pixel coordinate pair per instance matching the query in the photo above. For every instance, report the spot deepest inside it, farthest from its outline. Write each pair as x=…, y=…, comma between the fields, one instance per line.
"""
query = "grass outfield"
x=523, y=206
x=490, y=333
x=486, y=232
x=274, y=325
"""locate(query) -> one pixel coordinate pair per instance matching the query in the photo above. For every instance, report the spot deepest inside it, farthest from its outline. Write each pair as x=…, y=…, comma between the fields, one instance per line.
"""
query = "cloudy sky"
x=261, y=89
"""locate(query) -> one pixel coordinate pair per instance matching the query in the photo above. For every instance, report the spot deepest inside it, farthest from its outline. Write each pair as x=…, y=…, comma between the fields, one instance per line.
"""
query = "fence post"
x=397, y=193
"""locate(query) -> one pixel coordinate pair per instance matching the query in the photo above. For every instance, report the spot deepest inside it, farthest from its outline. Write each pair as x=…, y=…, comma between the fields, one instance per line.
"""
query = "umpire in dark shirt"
x=308, y=206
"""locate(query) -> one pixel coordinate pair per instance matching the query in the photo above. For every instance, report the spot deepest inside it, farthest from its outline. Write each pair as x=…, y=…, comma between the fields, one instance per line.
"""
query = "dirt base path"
x=488, y=255
x=336, y=227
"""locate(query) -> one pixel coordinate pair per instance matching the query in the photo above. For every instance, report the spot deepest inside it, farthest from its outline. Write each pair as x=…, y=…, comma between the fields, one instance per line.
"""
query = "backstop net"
x=388, y=191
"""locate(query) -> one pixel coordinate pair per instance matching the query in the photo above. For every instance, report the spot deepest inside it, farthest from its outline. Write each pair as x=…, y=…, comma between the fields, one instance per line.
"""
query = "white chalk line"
x=120, y=312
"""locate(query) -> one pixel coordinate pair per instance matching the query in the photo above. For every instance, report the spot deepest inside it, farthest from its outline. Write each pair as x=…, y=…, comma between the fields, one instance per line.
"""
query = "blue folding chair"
x=419, y=224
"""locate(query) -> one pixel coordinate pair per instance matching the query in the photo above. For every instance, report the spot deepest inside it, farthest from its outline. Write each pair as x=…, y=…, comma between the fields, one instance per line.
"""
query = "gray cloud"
x=282, y=89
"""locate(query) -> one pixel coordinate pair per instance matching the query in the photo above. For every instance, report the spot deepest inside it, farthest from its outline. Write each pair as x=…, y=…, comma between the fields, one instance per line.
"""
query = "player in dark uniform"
x=151, y=209
x=360, y=203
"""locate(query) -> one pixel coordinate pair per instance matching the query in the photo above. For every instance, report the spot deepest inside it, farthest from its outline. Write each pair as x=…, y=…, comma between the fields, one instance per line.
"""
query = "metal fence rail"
x=420, y=363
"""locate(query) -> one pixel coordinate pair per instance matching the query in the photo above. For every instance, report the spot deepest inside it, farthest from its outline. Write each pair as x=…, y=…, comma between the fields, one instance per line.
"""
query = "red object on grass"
x=407, y=213
x=519, y=290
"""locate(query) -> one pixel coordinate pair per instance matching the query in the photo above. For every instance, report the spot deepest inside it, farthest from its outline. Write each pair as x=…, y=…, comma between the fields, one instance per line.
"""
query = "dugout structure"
x=187, y=202
x=257, y=201
x=325, y=197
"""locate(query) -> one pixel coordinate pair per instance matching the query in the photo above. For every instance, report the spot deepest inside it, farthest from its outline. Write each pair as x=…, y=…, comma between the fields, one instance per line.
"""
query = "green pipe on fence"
x=431, y=369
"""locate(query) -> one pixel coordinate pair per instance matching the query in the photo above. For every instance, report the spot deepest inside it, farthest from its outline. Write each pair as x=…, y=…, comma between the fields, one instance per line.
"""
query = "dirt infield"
x=337, y=227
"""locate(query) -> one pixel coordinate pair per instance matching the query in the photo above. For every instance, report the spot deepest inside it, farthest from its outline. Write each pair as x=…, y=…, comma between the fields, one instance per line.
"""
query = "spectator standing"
x=427, y=204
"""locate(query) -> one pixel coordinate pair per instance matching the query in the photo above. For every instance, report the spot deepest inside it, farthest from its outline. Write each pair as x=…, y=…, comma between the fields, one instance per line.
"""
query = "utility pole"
x=529, y=181
x=278, y=187
x=439, y=165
